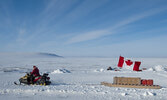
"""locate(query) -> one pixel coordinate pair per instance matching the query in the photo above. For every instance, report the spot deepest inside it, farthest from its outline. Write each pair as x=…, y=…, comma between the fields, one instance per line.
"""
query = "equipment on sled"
x=132, y=82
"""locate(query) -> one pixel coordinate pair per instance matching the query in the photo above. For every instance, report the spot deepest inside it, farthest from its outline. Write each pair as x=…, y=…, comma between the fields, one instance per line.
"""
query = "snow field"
x=79, y=78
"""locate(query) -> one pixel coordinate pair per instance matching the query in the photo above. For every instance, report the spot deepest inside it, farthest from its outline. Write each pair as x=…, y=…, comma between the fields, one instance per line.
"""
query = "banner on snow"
x=128, y=64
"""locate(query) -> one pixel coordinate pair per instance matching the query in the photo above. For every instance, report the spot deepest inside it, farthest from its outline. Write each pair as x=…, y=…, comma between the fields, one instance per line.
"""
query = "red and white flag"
x=128, y=64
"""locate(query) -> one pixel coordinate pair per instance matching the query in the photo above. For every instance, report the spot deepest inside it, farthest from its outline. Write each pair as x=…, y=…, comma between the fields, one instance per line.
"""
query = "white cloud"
x=84, y=9
x=100, y=33
x=137, y=17
x=53, y=10
x=21, y=39
x=88, y=36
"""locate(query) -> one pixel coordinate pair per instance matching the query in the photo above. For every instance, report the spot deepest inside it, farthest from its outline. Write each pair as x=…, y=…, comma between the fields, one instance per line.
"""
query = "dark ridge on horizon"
x=28, y=54
x=49, y=54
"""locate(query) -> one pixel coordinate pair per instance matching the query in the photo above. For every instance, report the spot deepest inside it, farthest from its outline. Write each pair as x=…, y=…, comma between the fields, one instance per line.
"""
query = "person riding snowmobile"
x=34, y=74
x=35, y=71
x=34, y=77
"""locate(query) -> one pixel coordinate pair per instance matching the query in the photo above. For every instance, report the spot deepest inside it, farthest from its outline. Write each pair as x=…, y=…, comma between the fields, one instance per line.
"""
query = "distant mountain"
x=49, y=54
x=27, y=55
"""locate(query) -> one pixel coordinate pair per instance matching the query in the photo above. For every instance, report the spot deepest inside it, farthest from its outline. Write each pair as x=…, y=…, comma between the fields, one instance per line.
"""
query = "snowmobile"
x=31, y=80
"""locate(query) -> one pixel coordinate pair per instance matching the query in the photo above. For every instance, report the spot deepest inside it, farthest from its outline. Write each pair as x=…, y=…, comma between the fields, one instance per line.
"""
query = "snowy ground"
x=79, y=79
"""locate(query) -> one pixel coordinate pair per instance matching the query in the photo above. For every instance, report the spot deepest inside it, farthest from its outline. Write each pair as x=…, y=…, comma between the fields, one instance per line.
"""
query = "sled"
x=131, y=86
x=131, y=82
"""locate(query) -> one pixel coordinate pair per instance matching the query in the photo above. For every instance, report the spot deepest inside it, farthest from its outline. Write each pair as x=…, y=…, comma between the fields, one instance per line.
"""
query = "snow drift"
x=15, y=69
x=158, y=68
x=60, y=71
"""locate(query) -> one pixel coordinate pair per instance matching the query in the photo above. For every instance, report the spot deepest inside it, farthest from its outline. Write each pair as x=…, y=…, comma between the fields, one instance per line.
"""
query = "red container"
x=144, y=82
x=149, y=82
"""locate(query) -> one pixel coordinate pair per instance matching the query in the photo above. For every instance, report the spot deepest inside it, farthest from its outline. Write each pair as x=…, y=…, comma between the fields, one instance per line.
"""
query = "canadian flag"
x=128, y=64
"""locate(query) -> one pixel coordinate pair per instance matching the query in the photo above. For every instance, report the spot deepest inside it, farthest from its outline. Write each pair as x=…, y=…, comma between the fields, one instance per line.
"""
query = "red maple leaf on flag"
x=128, y=62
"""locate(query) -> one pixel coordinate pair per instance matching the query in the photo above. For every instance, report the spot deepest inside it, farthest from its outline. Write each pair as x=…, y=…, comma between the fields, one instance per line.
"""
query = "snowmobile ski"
x=16, y=83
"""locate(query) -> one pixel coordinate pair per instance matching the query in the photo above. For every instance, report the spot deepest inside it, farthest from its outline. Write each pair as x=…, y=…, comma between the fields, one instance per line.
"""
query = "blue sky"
x=133, y=28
